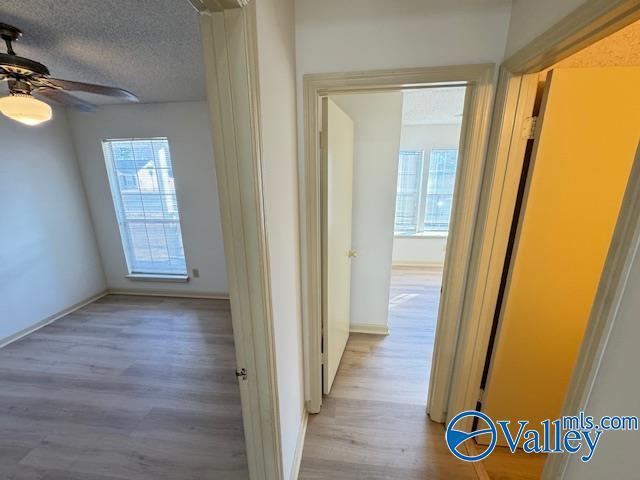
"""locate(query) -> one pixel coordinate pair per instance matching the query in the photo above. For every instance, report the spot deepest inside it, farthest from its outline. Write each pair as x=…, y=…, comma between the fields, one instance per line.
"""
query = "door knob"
x=352, y=253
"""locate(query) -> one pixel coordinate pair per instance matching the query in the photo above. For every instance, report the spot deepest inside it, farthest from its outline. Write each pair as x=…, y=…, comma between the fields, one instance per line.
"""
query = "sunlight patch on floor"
x=400, y=299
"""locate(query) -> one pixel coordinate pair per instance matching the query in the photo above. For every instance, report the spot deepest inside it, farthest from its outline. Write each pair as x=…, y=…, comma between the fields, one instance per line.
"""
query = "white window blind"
x=425, y=191
x=441, y=178
x=144, y=196
x=408, y=191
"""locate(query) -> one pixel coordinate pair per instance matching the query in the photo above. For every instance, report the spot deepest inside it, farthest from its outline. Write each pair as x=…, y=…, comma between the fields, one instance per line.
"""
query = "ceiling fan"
x=26, y=77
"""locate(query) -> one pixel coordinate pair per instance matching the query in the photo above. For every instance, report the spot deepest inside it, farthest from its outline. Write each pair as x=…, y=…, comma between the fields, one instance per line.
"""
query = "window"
x=408, y=191
x=144, y=196
x=425, y=191
x=439, y=195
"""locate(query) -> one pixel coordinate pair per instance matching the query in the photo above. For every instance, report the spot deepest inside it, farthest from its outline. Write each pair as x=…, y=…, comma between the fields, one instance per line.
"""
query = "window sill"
x=424, y=235
x=149, y=277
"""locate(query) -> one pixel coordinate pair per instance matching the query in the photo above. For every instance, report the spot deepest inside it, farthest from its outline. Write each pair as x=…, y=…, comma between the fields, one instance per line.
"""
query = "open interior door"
x=337, y=160
x=586, y=141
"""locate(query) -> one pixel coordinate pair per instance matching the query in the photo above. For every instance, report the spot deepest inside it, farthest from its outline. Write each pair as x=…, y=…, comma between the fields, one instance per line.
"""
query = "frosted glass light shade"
x=25, y=109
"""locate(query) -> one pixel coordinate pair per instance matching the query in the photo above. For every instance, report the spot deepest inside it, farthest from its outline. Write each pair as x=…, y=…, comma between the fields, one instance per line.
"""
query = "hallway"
x=374, y=424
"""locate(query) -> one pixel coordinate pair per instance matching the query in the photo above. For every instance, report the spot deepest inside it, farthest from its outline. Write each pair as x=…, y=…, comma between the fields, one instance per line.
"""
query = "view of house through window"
x=144, y=196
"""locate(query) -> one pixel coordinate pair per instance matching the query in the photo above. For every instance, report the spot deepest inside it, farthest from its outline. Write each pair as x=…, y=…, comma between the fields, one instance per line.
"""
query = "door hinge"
x=242, y=373
x=529, y=128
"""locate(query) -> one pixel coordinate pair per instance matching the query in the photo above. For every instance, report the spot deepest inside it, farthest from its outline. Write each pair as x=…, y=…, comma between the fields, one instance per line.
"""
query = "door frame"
x=515, y=96
x=479, y=80
x=229, y=43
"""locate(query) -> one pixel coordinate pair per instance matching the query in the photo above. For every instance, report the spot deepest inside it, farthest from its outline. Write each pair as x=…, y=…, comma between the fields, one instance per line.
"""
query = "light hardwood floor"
x=504, y=465
x=374, y=425
x=125, y=388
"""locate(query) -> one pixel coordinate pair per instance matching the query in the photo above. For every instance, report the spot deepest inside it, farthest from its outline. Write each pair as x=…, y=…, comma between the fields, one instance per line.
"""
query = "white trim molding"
x=209, y=6
x=503, y=170
x=478, y=79
x=50, y=319
x=423, y=235
x=592, y=21
x=141, y=292
x=152, y=277
x=418, y=265
x=297, y=457
x=229, y=47
x=369, y=328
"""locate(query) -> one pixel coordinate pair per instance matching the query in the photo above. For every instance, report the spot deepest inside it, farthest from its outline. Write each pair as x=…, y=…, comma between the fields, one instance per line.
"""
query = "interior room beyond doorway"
x=403, y=147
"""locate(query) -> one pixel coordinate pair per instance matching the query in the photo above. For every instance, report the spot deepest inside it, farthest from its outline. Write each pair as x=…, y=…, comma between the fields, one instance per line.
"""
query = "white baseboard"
x=167, y=293
x=50, y=319
x=417, y=265
x=370, y=328
x=297, y=458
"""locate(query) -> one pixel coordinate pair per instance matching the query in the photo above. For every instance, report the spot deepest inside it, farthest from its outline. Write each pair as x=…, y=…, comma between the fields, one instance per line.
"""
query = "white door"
x=337, y=177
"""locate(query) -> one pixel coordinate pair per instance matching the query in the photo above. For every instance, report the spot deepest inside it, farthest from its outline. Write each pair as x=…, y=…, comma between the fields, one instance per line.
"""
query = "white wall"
x=276, y=62
x=339, y=36
x=377, y=120
x=48, y=255
x=531, y=18
x=430, y=137
x=424, y=250
x=616, y=392
x=186, y=125
x=420, y=250
x=334, y=35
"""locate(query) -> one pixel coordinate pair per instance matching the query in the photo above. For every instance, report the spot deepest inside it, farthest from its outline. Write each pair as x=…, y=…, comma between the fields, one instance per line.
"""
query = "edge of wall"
x=297, y=458
x=167, y=293
x=369, y=328
x=50, y=319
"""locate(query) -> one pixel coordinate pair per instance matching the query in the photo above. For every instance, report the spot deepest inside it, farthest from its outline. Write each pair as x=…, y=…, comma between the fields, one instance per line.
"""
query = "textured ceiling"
x=150, y=47
x=620, y=49
x=433, y=106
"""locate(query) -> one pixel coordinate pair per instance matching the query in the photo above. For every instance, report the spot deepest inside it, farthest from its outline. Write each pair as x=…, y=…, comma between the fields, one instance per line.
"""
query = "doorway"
x=388, y=190
x=575, y=174
x=426, y=171
x=389, y=165
x=477, y=79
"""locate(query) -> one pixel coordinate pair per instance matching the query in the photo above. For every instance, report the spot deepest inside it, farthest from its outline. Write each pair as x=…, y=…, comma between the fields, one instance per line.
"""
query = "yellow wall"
x=590, y=132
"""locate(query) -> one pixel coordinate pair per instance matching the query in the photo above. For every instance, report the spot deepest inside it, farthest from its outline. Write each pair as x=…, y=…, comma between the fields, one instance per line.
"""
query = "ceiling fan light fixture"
x=25, y=109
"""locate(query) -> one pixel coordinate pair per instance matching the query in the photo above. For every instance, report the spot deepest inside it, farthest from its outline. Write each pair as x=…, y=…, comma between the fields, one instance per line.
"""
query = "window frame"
x=419, y=221
x=120, y=214
x=418, y=193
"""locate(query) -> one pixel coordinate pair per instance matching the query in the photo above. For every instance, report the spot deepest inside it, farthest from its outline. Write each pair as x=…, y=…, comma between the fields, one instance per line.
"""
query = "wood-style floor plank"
x=374, y=425
x=126, y=388
x=504, y=465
